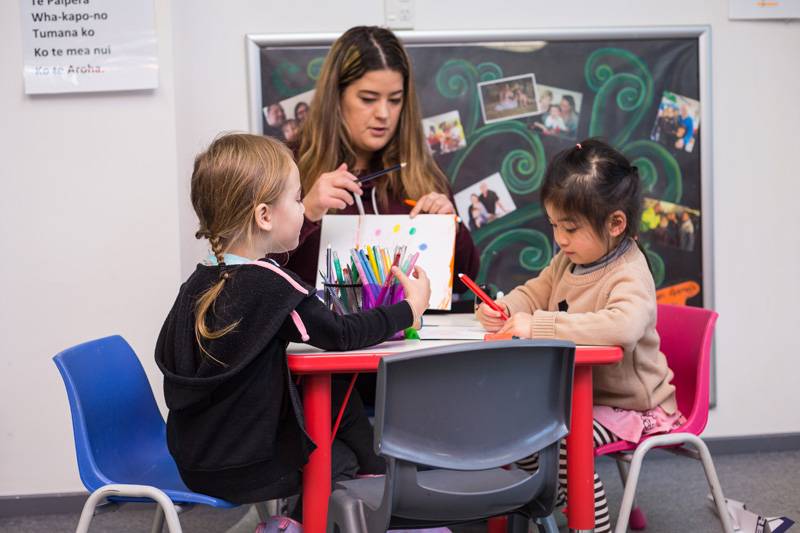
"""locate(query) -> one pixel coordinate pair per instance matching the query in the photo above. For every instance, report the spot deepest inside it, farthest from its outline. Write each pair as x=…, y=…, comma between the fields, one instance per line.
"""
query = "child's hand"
x=519, y=325
x=417, y=290
x=489, y=318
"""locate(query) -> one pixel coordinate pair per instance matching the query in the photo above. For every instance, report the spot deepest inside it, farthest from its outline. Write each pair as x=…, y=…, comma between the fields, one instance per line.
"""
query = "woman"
x=365, y=117
x=569, y=115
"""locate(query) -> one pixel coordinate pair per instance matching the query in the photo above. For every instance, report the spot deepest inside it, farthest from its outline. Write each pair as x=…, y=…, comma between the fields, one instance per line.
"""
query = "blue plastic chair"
x=120, y=437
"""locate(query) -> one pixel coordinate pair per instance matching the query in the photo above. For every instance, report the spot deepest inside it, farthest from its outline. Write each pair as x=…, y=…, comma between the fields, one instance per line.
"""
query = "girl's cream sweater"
x=615, y=305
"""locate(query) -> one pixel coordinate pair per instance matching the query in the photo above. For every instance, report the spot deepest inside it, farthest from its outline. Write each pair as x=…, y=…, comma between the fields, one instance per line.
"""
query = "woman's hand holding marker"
x=333, y=190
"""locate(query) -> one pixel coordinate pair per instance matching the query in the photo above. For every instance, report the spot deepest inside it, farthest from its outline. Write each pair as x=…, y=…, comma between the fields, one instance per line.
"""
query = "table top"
x=306, y=359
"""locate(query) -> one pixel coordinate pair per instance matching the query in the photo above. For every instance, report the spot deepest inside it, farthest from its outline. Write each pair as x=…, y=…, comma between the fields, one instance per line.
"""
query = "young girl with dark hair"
x=598, y=289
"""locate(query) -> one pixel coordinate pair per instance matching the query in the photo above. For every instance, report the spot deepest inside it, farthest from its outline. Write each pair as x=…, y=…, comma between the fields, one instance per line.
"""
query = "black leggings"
x=355, y=431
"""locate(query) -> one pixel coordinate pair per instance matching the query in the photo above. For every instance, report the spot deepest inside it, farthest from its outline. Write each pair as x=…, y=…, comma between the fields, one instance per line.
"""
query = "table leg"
x=580, y=454
x=317, y=472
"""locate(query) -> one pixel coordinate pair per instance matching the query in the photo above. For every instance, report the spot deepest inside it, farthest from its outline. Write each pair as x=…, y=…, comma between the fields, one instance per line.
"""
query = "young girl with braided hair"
x=235, y=424
x=598, y=289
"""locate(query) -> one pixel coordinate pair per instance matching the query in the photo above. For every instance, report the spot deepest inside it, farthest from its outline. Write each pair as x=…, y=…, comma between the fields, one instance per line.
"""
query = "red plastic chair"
x=686, y=334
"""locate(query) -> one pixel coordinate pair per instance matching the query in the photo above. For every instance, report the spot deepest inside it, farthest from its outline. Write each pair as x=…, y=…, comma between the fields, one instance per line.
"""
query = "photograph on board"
x=484, y=201
x=669, y=224
x=508, y=98
x=444, y=133
x=560, y=112
x=284, y=118
x=677, y=122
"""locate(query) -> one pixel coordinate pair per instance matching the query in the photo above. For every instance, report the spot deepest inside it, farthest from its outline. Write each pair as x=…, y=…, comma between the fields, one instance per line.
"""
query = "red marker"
x=482, y=295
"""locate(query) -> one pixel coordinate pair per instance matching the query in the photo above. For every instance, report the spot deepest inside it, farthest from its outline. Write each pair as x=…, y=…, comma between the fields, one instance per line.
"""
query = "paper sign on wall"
x=88, y=45
x=433, y=236
x=763, y=9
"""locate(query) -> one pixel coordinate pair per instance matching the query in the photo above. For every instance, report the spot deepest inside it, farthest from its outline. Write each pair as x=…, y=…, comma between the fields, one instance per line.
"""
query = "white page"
x=433, y=236
x=451, y=333
x=457, y=326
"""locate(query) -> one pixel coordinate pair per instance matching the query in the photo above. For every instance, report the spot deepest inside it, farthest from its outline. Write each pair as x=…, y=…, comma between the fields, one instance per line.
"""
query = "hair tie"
x=224, y=275
x=579, y=146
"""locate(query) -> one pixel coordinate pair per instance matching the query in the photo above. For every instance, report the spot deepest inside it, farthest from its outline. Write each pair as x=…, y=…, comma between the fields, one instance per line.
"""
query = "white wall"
x=88, y=214
x=756, y=118
x=89, y=208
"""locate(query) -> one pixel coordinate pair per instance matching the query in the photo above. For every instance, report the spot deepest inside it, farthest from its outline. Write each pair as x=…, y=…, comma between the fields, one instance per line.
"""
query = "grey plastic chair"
x=462, y=412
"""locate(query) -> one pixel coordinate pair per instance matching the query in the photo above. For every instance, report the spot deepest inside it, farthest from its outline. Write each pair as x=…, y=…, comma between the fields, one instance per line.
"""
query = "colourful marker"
x=482, y=295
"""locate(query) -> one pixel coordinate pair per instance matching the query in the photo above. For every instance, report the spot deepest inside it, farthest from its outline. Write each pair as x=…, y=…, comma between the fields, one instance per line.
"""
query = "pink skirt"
x=632, y=425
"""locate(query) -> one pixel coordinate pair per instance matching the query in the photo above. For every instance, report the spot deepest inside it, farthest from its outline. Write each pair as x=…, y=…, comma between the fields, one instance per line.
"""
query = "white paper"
x=88, y=45
x=435, y=333
x=760, y=9
x=433, y=236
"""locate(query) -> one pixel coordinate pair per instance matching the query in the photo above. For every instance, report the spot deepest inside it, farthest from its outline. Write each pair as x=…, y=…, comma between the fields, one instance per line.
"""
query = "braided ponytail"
x=206, y=302
x=234, y=175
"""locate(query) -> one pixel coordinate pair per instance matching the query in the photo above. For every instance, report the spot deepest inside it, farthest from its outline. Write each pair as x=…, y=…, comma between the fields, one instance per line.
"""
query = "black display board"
x=497, y=107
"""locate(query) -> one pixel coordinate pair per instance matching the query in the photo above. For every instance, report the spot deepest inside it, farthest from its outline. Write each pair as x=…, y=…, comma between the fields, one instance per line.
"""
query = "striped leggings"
x=601, y=435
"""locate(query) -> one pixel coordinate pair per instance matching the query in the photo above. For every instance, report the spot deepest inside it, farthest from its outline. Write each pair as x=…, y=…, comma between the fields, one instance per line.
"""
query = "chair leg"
x=134, y=491
x=638, y=520
x=88, y=510
x=158, y=521
x=263, y=510
x=344, y=514
x=668, y=440
x=515, y=523
x=713, y=482
x=547, y=524
x=631, y=481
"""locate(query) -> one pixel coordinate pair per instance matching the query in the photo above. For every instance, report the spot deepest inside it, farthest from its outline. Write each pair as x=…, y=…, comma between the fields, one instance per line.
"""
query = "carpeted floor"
x=672, y=492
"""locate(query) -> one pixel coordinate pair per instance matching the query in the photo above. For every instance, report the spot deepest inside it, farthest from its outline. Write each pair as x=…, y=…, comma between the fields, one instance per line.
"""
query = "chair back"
x=120, y=436
x=474, y=406
x=686, y=334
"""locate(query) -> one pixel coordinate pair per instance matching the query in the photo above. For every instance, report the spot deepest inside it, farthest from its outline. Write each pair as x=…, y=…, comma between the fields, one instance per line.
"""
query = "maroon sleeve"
x=467, y=258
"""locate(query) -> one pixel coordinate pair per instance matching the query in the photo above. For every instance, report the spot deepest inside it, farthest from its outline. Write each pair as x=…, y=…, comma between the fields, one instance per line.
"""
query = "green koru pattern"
x=314, y=68
x=621, y=77
x=286, y=73
x=512, y=229
x=656, y=265
x=630, y=88
x=621, y=81
x=533, y=257
x=643, y=153
x=458, y=78
x=280, y=78
x=521, y=168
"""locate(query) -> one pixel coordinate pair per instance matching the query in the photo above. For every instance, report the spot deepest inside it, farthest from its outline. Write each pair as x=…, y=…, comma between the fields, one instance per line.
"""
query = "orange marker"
x=499, y=337
x=409, y=202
